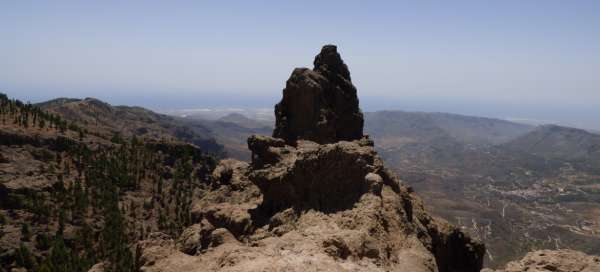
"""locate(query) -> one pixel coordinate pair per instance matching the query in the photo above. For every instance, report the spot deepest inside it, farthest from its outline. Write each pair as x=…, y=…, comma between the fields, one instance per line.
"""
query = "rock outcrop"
x=553, y=261
x=313, y=176
x=319, y=105
x=316, y=197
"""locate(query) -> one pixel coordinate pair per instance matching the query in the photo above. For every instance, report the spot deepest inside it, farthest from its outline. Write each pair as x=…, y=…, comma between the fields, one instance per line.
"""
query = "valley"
x=498, y=187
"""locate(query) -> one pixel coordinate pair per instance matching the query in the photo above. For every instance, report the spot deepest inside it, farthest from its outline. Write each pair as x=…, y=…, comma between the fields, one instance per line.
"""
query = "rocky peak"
x=315, y=197
x=329, y=61
x=321, y=104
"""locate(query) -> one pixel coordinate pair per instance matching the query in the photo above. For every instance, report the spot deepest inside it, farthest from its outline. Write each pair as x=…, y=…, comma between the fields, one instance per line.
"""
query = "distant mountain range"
x=420, y=127
x=390, y=129
x=556, y=142
x=131, y=121
x=226, y=134
x=259, y=114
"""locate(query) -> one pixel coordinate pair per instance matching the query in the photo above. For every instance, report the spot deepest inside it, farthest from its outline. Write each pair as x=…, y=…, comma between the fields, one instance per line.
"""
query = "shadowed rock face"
x=319, y=105
x=326, y=178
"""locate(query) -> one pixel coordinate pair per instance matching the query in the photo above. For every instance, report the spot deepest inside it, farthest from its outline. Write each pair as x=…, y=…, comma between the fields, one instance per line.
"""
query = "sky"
x=526, y=59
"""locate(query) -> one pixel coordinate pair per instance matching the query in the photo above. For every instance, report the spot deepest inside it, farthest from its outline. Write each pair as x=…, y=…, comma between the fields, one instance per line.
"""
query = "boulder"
x=195, y=238
x=99, y=267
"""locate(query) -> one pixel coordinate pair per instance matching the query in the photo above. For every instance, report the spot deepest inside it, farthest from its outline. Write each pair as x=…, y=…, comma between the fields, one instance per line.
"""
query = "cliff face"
x=319, y=104
x=316, y=197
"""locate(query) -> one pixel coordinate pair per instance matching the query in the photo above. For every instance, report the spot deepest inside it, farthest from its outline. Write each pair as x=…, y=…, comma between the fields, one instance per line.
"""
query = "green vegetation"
x=26, y=115
x=24, y=258
x=25, y=232
x=42, y=242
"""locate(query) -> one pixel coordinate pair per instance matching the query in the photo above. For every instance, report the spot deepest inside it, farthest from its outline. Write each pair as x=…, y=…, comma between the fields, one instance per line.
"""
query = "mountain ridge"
x=130, y=121
x=553, y=141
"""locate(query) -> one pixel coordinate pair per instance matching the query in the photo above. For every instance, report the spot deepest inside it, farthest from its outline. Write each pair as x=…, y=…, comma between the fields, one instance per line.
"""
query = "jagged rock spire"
x=330, y=62
x=319, y=104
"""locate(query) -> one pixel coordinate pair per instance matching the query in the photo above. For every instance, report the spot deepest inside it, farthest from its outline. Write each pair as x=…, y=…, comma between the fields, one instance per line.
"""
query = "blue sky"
x=519, y=59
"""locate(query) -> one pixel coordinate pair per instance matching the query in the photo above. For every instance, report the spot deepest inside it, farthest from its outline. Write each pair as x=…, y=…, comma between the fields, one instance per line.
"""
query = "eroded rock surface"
x=327, y=207
x=321, y=104
x=315, y=198
x=326, y=177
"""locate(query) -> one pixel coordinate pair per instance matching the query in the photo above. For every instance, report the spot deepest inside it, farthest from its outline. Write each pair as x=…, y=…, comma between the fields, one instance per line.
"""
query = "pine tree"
x=60, y=259
x=25, y=232
x=114, y=236
x=24, y=258
x=42, y=242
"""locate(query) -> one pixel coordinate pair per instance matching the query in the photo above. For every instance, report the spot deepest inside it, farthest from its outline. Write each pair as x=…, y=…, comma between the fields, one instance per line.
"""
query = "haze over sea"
x=526, y=60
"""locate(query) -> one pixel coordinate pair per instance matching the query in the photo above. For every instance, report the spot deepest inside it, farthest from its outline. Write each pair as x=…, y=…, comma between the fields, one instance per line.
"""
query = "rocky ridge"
x=316, y=197
x=107, y=120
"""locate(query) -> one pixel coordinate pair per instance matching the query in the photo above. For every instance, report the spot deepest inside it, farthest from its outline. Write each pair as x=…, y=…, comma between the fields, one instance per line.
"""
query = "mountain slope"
x=243, y=121
x=233, y=136
x=391, y=130
x=396, y=128
x=515, y=187
x=70, y=196
x=557, y=142
x=126, y=121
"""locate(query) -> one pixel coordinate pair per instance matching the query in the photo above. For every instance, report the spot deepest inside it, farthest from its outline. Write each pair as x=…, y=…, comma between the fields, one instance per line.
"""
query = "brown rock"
x=315, y=198
x=221, y=236
x=195, y=238
x=327, y=207
x=234, y=217
x=320, y=105
x=99, y=267
x=262, y=148
x=322, y=177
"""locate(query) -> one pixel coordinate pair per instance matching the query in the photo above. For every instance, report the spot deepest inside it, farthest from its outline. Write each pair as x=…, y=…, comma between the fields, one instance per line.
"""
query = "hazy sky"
x=519, y=59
